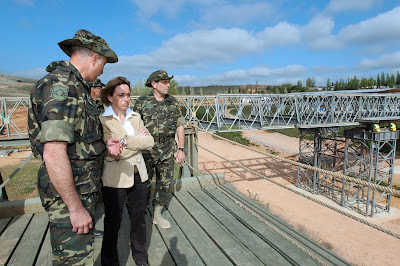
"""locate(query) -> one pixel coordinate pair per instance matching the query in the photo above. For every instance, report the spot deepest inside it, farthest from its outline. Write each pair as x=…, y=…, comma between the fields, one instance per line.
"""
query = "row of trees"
x=382, y=80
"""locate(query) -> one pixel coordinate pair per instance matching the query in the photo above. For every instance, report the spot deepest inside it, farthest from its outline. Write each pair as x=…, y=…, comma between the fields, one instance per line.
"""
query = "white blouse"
x=127, y=124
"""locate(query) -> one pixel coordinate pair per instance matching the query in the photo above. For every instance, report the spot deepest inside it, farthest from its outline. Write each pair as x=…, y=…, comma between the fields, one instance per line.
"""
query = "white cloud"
x=150, y=8
x=206, y=13
x=317, y=34
x=318, y=26
x=350, y=5
x=245, y=76
x=385, y=61
x=198, y=48
x=280, y=35
x=383, y=27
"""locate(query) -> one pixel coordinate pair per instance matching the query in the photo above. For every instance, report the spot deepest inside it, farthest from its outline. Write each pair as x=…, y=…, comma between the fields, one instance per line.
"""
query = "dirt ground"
x=355, y=242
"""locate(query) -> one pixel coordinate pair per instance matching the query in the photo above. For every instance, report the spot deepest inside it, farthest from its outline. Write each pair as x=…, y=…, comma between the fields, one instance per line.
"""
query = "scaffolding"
x=360, y=153
x=370, y=157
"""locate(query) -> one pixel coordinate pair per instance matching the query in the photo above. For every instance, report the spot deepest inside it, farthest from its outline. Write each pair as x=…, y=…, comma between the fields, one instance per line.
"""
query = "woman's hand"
x=114, y=146
x=144, y=132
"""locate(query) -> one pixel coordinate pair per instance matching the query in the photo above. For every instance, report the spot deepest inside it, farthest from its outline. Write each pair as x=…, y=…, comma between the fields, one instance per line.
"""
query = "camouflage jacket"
x=161, y=118
x=100, y=107
x=61, y=109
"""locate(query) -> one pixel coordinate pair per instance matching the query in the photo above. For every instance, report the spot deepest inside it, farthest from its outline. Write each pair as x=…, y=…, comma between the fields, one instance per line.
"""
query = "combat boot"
x=158, y=219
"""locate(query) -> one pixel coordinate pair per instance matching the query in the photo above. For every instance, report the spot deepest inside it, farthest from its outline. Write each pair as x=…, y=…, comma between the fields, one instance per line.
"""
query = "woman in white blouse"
x=124, y=175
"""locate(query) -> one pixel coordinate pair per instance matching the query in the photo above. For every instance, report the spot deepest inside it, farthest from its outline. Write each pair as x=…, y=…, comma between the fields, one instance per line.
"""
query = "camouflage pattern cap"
x=88, y=40
x=157, y=76
x=96, y=83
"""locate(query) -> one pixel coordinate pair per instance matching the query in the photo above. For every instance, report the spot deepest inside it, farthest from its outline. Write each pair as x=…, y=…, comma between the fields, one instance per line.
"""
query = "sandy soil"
x=355, y=242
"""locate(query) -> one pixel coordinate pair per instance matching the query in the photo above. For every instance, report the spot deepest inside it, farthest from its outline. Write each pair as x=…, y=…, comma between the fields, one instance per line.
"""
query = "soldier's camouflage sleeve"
x=180, y=120
x=138, y=106
x=60, y=107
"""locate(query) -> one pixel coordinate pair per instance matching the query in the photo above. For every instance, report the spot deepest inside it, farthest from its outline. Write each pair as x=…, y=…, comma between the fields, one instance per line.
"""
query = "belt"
x=91, y=165
x=163, y=138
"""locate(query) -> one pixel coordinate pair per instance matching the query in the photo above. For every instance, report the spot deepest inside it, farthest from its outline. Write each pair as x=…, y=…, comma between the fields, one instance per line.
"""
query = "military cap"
x=96, y=83
x=88, y=40
x=157, y=76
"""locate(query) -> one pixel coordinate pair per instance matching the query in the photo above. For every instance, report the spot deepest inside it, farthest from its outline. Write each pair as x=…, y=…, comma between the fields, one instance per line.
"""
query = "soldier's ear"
x=94, y=58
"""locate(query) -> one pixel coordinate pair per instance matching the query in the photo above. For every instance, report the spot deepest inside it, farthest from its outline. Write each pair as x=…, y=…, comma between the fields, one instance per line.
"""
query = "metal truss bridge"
x=361, y=153
x=234, y=112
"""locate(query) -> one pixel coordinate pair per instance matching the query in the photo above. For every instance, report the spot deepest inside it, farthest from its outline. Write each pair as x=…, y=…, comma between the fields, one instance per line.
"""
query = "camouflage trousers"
x=68, y=247
x=164, y=170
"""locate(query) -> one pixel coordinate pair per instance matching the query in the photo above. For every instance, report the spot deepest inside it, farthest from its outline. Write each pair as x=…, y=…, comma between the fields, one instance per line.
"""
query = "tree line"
x=381, y=81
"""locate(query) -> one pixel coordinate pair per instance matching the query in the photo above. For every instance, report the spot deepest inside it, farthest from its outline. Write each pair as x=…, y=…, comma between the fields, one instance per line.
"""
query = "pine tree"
x=378, y=82
x=391, y=81
x=398, y=79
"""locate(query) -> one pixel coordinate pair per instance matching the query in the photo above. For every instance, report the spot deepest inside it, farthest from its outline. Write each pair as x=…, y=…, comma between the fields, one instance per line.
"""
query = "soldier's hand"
x=81, y=221
x=180, y=156
x=114, y=146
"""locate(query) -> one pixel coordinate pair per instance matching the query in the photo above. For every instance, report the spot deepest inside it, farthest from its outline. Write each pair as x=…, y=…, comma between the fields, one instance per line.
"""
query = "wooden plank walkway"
x=208, y=228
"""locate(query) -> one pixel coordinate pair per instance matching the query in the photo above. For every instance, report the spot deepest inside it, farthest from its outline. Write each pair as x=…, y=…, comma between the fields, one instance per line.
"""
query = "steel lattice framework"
x=14, y=109
x=370, y=157
x=362, y=154
x=231, y=112
x=318, y=115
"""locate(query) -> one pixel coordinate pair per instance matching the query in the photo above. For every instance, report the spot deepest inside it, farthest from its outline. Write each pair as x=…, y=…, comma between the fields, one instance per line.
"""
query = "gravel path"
x=273, y=141
x=351, y=240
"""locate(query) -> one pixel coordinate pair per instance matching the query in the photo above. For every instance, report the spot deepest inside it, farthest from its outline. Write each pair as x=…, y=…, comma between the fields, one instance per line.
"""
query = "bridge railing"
x=229, y=112
x=13, y=117
x=232, y=112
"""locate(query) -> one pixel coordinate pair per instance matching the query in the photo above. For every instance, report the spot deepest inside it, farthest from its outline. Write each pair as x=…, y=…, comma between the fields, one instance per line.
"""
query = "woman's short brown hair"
x=110, y=88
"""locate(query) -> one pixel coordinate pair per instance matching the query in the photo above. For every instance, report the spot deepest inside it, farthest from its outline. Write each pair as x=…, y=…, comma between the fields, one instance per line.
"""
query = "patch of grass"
x=291, y=132
x=385, y=184
x=24, y=184
x=253, y=196
x=236, y=136
x=327, y=245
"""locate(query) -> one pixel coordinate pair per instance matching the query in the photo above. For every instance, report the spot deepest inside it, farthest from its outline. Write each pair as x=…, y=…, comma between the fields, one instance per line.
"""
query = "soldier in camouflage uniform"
x=95, y=92
x=65, y=131
x=161, y=115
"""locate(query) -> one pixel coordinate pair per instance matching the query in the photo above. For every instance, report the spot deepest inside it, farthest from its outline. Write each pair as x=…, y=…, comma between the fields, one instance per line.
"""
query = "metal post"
x=6, y=119
x=371, y=172
x=191, y=151
x=3, y=193
x=345, y=171
x=217, y=111
x=317, y=162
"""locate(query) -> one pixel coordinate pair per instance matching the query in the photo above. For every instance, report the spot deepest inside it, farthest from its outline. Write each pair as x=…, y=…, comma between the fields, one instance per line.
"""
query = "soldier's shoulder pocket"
x=59, y=92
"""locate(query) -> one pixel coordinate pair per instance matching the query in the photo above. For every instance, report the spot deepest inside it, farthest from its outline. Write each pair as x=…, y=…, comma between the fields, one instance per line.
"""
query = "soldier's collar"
x=76, y=73
x=167, y=97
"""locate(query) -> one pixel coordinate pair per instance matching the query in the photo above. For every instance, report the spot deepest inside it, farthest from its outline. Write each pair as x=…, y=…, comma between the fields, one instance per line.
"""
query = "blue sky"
x=205, y=42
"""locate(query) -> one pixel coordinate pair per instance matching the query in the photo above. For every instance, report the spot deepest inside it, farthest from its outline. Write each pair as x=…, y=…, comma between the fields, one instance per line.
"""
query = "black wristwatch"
x=182, y=149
